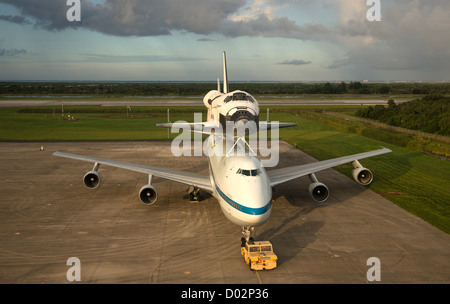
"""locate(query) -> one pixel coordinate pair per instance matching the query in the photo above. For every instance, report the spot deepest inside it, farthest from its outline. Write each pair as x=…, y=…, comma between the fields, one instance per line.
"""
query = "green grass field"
x=414, y=181
x=90, y=123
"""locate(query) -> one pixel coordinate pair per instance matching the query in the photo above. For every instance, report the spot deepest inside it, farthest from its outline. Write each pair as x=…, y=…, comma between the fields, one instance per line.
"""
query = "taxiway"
x=48, y=216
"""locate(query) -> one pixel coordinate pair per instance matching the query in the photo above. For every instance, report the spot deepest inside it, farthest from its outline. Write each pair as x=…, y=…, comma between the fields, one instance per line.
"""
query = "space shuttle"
x=237, y=109
x=236, y=106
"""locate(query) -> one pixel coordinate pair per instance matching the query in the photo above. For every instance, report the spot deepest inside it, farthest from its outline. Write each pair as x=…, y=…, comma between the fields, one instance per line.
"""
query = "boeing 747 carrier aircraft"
x=238, y=181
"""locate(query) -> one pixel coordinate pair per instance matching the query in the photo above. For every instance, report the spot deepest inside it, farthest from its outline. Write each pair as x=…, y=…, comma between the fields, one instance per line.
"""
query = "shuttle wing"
x=269, y=125
x=193, y=179
x=207, y=127
x=197, y=127
x=279, y=176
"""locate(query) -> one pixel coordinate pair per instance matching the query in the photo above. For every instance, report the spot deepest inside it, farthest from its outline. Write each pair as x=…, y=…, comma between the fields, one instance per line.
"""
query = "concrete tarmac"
x=48, y=216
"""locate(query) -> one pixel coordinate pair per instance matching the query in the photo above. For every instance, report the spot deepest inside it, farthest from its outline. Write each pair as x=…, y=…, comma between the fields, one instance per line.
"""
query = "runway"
x=192, y=101
x=48, y=216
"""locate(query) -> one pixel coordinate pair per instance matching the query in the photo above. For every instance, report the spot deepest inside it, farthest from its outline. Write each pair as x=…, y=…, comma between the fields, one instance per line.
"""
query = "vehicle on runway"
x=259, y=255
x=238, y=180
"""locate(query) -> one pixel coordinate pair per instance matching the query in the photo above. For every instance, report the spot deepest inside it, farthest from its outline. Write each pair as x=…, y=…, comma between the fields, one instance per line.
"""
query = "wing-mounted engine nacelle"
x=92, y=179
x=148, y=194
x=361, y=175
x=317, y=190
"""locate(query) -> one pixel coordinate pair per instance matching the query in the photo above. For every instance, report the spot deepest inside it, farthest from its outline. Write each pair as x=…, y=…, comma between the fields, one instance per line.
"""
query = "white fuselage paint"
x=240, y=184
x=245, y=198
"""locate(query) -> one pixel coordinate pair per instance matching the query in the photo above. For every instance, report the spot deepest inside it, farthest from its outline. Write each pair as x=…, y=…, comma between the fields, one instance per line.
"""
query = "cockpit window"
x=239, y=96
x=254, y=172
x=250, y=98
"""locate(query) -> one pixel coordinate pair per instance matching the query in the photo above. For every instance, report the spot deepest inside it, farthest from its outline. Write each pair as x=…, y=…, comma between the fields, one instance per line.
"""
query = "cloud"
x=204, y=40
x=133, y=58
x=412, y=34
x=15, y=19
x=230, y=18
x=132, y=17
x=295, y=62
x=12, y=52
x=256, y=9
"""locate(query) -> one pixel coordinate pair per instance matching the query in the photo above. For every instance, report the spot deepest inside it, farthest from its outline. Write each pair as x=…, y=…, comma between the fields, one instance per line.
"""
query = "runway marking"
x=403, y=250
x=259, y=279
x=404, y=253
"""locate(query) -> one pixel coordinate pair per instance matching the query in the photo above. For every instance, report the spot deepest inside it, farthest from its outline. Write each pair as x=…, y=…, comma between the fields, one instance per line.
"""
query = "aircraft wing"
x=207, y=127
x=196, y=127
x=279, y=176
x=264, y=125
x=193, y=179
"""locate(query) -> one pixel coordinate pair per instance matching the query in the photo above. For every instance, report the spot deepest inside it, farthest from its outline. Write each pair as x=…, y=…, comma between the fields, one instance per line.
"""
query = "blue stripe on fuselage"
x=247, y=210
x=237, y=206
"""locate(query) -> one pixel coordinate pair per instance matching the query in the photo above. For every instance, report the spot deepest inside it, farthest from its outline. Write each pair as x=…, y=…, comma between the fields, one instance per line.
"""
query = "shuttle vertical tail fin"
x=225, y=74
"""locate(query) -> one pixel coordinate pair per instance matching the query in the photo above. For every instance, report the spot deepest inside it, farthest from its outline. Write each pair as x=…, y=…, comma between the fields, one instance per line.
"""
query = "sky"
x=265, y=40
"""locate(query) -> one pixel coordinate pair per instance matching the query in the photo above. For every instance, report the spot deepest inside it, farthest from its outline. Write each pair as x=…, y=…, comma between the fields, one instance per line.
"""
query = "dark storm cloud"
x=412, y=34
x=156, y=17
x=277, y=27
x=50, y=14
x=15, y=19
x=132, y=17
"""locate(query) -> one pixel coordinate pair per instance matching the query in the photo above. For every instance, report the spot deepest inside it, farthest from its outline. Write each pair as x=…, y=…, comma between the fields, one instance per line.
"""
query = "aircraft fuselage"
x=240, y=184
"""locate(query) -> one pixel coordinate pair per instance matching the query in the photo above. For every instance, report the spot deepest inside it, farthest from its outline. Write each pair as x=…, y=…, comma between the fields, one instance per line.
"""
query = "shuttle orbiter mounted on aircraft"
x=228, y=106
x=239, y=181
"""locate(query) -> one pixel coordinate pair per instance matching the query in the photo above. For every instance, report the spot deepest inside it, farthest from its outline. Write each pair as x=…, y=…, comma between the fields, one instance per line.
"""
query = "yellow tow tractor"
x=259, y=255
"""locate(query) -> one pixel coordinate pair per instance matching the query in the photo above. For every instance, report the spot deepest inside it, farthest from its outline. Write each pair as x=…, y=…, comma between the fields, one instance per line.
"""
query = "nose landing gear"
x=248, y=234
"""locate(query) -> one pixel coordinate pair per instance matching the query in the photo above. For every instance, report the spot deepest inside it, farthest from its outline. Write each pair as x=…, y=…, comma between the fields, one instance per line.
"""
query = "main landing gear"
x=194, y=194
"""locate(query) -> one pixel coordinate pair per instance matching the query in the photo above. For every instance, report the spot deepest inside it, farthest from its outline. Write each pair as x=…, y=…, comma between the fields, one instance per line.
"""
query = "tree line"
x=201, y=88
x=429, y=114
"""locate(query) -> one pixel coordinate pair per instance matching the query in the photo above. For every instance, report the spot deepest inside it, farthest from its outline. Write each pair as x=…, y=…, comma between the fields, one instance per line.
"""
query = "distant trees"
x=429, y=114
x=201, y=88
x=384, y=90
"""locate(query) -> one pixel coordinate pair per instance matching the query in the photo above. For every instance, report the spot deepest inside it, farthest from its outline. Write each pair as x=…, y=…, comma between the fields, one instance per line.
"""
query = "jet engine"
x=92, y=179
x=361, y=175
x=148, y=194
x=317, y=190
